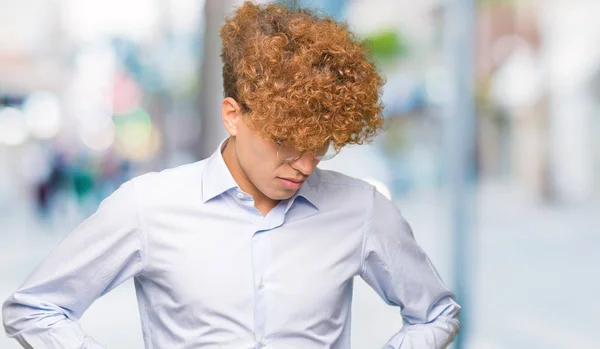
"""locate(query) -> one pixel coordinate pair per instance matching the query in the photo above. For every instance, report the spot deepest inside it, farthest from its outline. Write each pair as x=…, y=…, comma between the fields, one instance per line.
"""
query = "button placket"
x=261, y=259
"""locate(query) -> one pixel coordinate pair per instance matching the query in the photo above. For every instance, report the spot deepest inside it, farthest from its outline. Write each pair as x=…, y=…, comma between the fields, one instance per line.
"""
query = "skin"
x=253, y=163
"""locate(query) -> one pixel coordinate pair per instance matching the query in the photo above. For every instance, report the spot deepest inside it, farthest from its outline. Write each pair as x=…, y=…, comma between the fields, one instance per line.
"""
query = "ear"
x=231, y=115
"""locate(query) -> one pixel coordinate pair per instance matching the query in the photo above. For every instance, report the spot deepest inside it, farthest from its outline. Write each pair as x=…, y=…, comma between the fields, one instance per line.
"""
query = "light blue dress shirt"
x=211, y=272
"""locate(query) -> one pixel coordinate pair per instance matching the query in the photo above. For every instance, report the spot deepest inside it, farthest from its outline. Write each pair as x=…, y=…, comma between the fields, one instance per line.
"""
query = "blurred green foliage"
x=387, y=45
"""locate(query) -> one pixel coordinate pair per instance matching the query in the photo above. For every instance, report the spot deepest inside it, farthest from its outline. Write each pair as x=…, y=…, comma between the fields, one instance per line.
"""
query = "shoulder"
x=340, y=186
x=172, y=174
x=350, y=189
x=171, y=183
x=333, y=178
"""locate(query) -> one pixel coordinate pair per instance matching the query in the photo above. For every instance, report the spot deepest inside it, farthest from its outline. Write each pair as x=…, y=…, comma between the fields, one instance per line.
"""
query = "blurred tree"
x=387, y=46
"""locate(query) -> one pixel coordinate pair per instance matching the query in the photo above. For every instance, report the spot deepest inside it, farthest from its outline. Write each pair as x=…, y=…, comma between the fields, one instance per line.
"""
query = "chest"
x=294, y=270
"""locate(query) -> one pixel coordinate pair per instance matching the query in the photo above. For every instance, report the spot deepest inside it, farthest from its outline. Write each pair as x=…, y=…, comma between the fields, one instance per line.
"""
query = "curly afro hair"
x=301, y=79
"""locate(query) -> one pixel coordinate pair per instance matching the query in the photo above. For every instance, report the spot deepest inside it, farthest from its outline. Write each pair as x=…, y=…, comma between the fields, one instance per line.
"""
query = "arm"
x=101, y=253
x=402, y=274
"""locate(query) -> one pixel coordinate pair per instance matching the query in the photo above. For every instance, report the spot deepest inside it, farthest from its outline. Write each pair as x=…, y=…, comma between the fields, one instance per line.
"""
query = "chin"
x=282, y=195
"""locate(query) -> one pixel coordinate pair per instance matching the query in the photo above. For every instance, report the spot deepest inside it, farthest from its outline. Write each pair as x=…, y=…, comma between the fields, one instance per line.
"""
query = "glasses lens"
x=325, y=152
x=287, y=153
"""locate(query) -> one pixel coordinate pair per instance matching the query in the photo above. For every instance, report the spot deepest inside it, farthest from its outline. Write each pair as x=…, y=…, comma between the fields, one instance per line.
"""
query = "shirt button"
x=261, y=284
x=263, y=341
x=240, y=195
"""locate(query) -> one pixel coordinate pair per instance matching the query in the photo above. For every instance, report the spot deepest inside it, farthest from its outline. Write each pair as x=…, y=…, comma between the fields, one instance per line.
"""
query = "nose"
x=305, y=164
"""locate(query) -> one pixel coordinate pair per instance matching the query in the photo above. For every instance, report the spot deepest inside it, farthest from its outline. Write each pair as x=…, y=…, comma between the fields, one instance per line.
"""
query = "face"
x=259, y=168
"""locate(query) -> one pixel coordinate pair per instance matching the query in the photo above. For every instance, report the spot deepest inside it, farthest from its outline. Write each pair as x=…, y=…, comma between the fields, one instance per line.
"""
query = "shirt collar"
x=308, y=191
x=217, y=179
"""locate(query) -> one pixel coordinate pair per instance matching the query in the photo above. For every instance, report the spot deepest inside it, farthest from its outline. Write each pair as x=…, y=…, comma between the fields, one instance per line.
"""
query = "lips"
x=291, y=184
x=293, y=180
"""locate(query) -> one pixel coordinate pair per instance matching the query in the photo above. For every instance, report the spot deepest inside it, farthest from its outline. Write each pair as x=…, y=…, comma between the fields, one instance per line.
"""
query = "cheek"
x=257, y=157
x=257, y=162
x=262, y=157
x=266, y=168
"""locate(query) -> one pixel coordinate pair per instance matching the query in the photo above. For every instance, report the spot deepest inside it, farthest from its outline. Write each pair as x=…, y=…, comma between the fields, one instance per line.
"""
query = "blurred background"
x=491, y=149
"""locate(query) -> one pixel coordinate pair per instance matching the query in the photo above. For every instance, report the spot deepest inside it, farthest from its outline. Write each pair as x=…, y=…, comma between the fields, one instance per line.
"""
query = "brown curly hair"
x=301, y=79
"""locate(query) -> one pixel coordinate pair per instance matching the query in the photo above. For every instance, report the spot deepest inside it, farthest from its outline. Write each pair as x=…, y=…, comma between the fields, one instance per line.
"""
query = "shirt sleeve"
x=98, y=255
x=396, y=267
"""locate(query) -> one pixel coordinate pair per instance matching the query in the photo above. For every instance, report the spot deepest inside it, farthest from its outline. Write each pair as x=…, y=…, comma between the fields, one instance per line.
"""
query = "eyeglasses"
x=290, y=154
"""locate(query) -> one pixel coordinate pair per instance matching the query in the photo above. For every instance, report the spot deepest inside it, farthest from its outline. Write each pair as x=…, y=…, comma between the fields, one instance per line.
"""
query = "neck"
x=262, y=202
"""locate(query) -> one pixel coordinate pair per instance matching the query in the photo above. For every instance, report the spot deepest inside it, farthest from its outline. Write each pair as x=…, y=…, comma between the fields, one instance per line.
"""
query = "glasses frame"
x=316, y=157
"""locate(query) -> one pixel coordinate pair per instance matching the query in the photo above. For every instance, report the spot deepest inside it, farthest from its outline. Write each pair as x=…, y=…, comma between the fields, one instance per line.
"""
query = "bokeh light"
x=137, y=139
x=43, y=114
x=99, y=138
x=13, y=130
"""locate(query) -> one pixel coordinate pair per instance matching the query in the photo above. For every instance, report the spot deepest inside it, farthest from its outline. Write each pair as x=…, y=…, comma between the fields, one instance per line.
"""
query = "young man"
x=255, y=246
